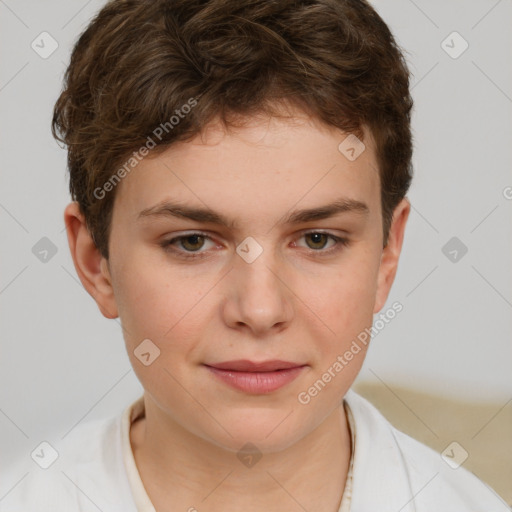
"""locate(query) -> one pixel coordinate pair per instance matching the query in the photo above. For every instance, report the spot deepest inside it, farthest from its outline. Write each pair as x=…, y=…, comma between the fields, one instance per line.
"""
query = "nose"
x=258, y=297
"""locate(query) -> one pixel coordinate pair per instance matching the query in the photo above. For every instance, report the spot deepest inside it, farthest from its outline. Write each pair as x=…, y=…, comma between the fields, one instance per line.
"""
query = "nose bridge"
x=260, y=297
x=258, y=267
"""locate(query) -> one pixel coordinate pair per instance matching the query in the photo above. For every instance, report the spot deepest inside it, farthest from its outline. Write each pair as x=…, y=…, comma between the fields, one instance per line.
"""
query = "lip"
x=245, y=365
x=256, y=377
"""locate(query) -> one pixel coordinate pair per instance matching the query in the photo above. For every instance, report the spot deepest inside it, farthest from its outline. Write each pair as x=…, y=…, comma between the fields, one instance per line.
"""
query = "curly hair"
x=139, y=62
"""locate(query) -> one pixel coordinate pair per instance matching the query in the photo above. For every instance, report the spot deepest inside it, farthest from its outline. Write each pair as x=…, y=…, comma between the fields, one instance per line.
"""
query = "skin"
x=291, y=303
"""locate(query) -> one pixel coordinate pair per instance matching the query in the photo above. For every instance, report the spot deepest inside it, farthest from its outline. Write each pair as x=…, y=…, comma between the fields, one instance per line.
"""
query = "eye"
x=318, y=240
x=188, y=246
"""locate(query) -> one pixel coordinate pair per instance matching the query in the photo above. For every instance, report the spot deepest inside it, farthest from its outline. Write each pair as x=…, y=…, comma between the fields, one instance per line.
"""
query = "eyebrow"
x=176, y=209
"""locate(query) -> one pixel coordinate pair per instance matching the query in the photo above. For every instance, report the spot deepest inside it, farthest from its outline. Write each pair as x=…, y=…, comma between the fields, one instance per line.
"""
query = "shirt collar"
x=140, y=496
x=380, y=475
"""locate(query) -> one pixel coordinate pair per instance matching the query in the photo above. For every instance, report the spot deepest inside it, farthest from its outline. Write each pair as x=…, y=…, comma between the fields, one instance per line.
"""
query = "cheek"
x=345, y=298
x=158, y=304
x=153, y=298
x=345, y=303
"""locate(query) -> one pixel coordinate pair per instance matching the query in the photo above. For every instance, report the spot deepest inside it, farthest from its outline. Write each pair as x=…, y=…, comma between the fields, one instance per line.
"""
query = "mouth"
x=256, y=377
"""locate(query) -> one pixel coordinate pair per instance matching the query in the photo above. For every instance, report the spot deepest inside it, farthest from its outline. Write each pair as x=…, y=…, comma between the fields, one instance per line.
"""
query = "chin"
x=270, y=431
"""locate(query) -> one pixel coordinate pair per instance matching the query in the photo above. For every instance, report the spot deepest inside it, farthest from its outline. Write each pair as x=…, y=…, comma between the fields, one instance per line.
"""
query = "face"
x=251, y=260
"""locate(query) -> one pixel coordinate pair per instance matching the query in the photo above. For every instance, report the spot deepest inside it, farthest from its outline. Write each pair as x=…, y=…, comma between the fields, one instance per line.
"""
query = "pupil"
x=194, y=239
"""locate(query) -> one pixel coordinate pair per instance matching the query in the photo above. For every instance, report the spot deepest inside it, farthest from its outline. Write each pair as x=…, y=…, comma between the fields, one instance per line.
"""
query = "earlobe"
x=391, y=253
x=92, y=268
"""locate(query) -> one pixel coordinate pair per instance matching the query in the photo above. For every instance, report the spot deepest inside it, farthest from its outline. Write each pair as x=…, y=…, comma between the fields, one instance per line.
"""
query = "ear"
x=391, y=253
x=92, y=268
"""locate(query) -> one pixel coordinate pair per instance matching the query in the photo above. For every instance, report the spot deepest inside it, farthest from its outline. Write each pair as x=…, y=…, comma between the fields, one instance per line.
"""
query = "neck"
x=191, y=473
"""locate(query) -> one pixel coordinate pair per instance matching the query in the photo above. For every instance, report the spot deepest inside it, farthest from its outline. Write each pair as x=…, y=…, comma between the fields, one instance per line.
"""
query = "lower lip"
x=257, y=382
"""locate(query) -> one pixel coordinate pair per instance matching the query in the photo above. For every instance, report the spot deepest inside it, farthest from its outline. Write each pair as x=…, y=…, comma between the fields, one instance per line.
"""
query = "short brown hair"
x=139, y=61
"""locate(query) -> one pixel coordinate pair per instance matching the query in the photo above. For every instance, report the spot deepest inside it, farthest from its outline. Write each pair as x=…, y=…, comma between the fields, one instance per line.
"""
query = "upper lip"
x=244, y=365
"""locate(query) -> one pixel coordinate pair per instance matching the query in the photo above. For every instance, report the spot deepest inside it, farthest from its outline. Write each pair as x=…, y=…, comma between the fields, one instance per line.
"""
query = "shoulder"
x=441, y=483
x=82, y=471
x=411, y=475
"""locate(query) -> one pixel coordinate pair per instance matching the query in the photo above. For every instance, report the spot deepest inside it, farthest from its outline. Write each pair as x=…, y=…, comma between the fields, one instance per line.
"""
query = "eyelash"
x=167, y=245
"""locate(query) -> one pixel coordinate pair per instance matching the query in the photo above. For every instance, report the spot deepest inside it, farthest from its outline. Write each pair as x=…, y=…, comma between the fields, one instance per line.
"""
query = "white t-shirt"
x=389, y=472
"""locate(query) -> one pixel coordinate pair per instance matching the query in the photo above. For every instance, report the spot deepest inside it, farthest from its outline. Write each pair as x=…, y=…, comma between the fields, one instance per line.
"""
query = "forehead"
x=268, y=163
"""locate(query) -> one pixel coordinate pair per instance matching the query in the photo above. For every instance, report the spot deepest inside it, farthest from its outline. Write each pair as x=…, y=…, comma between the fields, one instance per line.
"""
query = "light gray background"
x=63, y=363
